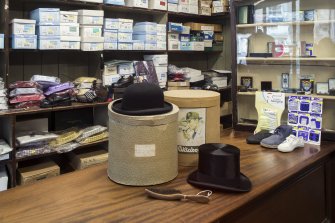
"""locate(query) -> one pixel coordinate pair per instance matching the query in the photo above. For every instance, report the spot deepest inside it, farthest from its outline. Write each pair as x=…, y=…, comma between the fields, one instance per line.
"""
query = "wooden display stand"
x=205, y=103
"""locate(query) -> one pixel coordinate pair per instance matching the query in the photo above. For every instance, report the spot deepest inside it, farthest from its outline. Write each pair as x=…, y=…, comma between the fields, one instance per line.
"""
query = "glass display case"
x=284, y=46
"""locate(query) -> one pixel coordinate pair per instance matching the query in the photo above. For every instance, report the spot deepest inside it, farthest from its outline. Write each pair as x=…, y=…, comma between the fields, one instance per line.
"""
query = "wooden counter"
x=286, y=187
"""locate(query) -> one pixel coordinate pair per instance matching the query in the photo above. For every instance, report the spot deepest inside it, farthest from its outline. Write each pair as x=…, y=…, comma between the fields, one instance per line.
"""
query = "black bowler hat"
x=142, y=99
x=219, y=168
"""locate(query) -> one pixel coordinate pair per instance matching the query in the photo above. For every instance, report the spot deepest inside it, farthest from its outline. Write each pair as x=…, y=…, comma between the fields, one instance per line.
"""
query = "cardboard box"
x=218, y=9
x=203, y=27
x=70, y=42
x=91, y=17
x=137, y=3
x=82, y=160
x=138, y=45
x=31, y=174
x=23, y=26
x=68, y=17
x=205, y=3
x=173, y=45
x=193, y=9
x=110, y=45
x=90, y=31
x=183, y=8
x=46, y=16
x=158, y=4
x=193, y=2
x=172, y=7
x=203, y=10
x=197, y=46
x=159, y=60
x=218, y=37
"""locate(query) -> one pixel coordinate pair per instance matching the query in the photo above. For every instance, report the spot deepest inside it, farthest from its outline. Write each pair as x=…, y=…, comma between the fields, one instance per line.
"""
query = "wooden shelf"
x=326, y=97
x=67, y=51
x=53, y=153
x=179, y=15
x=325, y=61
x=302, y=23
x=75, y=105
x=5, y=162
x=120, y=8
x=64, y=2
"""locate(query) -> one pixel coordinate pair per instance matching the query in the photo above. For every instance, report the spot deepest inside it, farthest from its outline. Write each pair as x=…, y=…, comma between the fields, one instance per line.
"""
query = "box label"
x=145, y=150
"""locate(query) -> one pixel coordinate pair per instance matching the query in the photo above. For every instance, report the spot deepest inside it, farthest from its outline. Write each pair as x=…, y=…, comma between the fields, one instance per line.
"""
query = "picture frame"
x=331, y=83
x=322, y=88
x=306, y=85
x=247, y=82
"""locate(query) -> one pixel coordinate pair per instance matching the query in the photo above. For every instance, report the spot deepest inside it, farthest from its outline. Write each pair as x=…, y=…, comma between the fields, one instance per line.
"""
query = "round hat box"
x=198, y=121
x=142, y=149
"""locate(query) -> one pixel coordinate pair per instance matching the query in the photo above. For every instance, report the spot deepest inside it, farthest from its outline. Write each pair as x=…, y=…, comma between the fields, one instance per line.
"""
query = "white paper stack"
x=193, y=75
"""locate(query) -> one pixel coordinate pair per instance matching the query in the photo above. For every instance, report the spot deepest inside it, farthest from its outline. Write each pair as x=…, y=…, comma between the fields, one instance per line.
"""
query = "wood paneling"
x=89, y=196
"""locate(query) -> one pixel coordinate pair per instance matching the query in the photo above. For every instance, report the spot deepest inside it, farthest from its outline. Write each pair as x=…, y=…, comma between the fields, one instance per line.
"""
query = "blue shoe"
x=278, y=137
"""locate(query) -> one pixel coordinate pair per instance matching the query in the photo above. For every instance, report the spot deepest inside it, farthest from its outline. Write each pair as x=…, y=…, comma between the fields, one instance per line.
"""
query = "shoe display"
x=279, y=136
x=291, y=143
x=258, y=137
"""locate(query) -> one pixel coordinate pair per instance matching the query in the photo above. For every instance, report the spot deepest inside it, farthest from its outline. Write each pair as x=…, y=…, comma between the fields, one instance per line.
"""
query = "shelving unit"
x=302, y=23
x=71, y=64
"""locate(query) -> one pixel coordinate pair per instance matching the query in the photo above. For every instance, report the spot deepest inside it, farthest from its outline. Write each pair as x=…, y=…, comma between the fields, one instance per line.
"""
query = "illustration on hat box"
x=191, y=126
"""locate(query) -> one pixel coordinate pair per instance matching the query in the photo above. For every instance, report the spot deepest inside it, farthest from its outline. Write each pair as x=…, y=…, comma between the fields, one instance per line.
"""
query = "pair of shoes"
x=278, y=137
x=258, y=137
x=291, y=143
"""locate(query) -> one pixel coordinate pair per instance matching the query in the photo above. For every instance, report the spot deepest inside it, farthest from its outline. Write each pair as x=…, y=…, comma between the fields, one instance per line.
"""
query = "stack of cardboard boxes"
x=199, y=7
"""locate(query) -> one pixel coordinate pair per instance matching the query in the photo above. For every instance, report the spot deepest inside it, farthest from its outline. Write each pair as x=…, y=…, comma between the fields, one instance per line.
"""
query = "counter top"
x=89, y=196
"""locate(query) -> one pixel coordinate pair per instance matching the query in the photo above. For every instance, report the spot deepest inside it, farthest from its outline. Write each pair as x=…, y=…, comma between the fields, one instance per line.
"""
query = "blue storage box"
x=46, y=16
x=209, y=35
x=49, y=43
x=145, y=27
x=145, y=36
x=2, y=41
x=184, y=37
x=114, y=2
x=175, y=27
x=24, y=41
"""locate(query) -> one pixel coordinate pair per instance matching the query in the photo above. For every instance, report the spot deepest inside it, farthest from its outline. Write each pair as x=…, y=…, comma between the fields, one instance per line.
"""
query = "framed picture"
x=322, y=88
x=306, y=85
x=285, y=84
x=331, y=83
x=246, y=82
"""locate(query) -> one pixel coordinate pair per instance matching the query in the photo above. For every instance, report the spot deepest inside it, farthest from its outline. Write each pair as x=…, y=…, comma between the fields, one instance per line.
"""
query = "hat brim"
x=117, y=107
x=241, y=184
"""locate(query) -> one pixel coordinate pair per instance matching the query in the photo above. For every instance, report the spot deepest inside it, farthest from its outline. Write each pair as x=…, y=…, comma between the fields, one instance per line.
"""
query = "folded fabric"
x=59, y=87
x=97, y=137
x=35, y=137
x=3, y=100
x=25, y=84
x=43, y=78
x=4, y=147
x=90, y=131
x=24, y=91
x=23, y=98
x=3, y=93
x=84, y=80
x=33, y=151
x=65, y=138
x=27, y=104
x=67, y=147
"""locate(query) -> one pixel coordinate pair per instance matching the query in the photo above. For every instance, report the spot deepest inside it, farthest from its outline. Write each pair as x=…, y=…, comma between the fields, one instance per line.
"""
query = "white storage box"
x=70, y=42
x=46, y=16
x=125, y=68
x=124, y=46
x=173, y=36
x=2, y=41
x=183, y=2
x=172, y=7
x=198, y=46
x=193, y=9
x=173, y=45
x=161, y=29
x=23, y=26
x=161, y=38
x=47, y=30
x=161, y=45
x=90, y=31
x=24, y=41
x=68, y=17
x=159, y=60
x=183, y=8
x=49, y=42
x=91, y=17
x=123, y=25
x=125, y=37
x=3, y=178
x=158, y=4
x=193, y=2
x=110, y=35
x=161, y=72
x=145, y=36
x=137, y=3
x=114, y=2
x=150, y=46
x=69, y=29
x=92, y=43
x=138, y=45
x=145, y=27
x=110, y=45
x=108, y=80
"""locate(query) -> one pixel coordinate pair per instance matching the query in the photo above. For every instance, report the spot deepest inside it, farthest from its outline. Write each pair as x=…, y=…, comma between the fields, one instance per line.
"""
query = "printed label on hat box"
x=148, y=150
x=191, y=129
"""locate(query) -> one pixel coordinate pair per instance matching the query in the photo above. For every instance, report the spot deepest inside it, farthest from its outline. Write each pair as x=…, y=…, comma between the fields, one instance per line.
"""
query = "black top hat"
x=142, y=99
x=219, y=168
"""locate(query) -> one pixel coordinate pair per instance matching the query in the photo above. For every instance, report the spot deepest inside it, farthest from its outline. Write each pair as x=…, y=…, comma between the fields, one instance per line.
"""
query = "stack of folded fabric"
x=90, y=89
x=5, y=149
x=45, y=81
x=25, y=94
x=3, y=96
x=176, y=74
x=58, y=95
x=34, y=143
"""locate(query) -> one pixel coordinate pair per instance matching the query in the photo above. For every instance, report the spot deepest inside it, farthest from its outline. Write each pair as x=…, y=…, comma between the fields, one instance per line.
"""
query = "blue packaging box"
x=175, y=27
x=185, y=46
x=46, y=16
x=209, y=35
x=145, y=36
x=114, y=2
x=184, y=37
x=24, y=41
x=145, y=27
x=2, y=41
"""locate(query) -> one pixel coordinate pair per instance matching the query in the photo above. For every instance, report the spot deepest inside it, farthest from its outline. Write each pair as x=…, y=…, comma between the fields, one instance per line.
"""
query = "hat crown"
x=219, y=160
x=142, y=96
